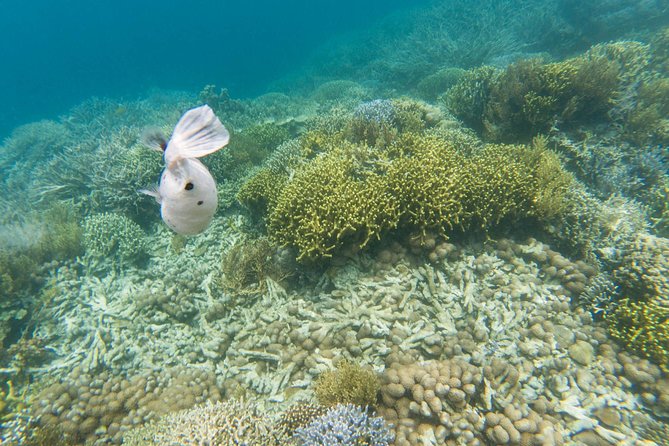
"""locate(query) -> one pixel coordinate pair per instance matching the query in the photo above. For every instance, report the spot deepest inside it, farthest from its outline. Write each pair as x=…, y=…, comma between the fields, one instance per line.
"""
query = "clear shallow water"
x=56, y=54
x=456, y=215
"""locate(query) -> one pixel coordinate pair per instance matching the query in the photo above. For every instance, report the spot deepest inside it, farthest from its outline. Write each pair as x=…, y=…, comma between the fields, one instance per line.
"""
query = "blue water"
x=55, y=54
x=467, y=196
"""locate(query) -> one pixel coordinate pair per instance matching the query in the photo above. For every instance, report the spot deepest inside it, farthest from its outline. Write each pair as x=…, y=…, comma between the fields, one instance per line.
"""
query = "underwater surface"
x=444, y=224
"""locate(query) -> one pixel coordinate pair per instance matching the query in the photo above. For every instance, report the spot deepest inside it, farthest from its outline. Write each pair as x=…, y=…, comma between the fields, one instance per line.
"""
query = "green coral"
x=436, y=84
x=348, y=384
x=113, y=236
x=17, y=272
x=333, y=199
x=261, y=191
x=248, y=264
x=643, y=270
x=641, y=321
x=247, y=150
x=250, y=148
x=61, y=236
x=610, y=82
x=396, y=165
x=659, y=205
x=529, y=96
x=352, y=194
x=553, y=181
x=643, y=327
x=467, y=99
x=647, y=122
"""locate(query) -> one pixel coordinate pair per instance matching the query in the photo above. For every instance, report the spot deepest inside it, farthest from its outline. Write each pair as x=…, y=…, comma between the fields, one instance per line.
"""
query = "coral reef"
x=436, y=84
x=609, y=83
x=11, y=403
x=642, y=268
x=529, y=96
x=26, y=150
x=89, y=407
x=214, y=424
x=640, y=321
x=500, y=309
x=467, y=99
x=601, y=20
x=248, y=265
x=339, y=92
x=261, y=191
x=248, y=148
x=423, y=391
x=406, y=48
x=29, y=248
x=348, y=384
x=643, y=327
x=344, y=425
x=323, y=204
x=114, y=236
x=386, y=172
x=421, y=296
x=299, y=415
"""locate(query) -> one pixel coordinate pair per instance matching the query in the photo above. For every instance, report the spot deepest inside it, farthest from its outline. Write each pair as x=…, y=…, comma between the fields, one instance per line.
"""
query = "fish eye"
x=199, y=203
x=189, y=186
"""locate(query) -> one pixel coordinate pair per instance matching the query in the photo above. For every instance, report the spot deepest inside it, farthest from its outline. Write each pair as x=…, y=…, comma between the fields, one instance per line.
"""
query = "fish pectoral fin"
x=152, y=192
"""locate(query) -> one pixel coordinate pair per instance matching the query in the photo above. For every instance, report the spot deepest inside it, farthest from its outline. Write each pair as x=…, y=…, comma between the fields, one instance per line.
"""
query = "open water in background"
x=55, y=54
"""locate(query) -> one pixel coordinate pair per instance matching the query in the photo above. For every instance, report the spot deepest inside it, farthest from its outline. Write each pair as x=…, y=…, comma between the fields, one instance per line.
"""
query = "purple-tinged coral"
x=380, y=111
x=345, y=425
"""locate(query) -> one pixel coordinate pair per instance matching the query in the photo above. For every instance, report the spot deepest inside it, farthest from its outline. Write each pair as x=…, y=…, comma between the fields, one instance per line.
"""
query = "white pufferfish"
x=187, y=191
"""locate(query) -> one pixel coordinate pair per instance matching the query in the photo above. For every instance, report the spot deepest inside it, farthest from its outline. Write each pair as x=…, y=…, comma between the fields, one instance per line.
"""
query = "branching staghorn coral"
x=642, y=327
x=348, y=193
x=218, y=424
x=345, y=425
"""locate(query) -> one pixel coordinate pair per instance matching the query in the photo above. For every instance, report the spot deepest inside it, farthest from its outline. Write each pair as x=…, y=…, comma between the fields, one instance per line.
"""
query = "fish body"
x=187, y=191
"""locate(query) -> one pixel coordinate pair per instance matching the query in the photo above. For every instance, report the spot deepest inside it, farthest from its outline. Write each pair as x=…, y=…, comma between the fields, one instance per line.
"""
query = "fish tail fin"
x=154, y=139
x=198, y=133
